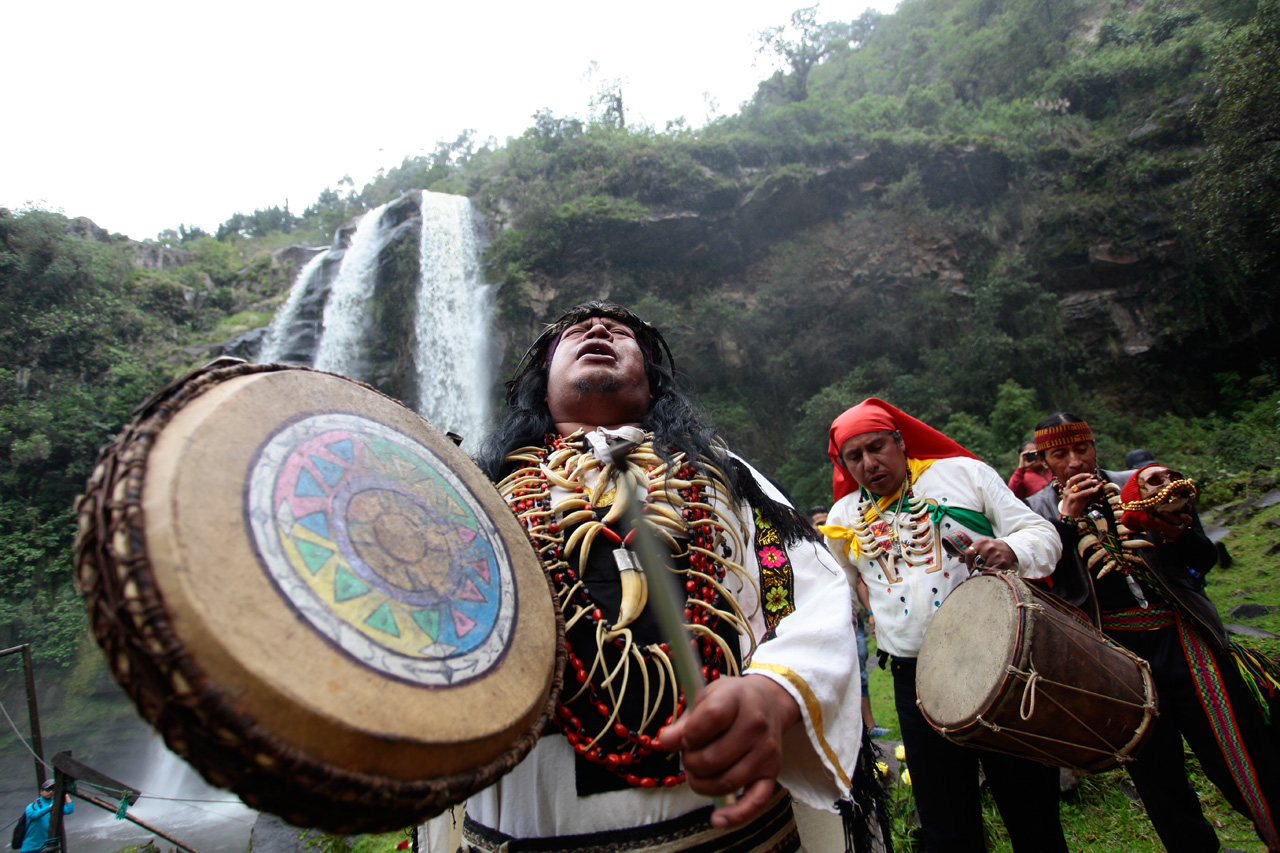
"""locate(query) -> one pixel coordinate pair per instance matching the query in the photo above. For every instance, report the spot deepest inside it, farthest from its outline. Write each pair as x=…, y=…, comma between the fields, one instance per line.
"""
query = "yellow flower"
x=906, y=777
x=882, y=768
x=900, y=752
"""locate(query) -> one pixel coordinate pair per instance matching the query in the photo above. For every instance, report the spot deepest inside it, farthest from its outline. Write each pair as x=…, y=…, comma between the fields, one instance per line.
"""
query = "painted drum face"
x=377, y=544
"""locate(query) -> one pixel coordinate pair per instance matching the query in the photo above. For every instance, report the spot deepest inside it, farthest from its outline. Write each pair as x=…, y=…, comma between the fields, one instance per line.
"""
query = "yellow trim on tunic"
x=851, y=546
x=815, y=712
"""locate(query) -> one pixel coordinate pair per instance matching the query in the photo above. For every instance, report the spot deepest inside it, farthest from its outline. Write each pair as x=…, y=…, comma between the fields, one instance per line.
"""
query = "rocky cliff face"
x=861, y=233
x=760, y=266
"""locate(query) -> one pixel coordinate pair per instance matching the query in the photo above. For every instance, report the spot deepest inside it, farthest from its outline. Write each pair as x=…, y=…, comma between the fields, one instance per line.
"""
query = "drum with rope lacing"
x=1007, y=668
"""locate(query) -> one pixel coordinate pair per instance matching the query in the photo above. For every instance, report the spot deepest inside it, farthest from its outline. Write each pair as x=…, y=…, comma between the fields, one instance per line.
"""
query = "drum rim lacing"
x=1032, y=678
x=196, y=721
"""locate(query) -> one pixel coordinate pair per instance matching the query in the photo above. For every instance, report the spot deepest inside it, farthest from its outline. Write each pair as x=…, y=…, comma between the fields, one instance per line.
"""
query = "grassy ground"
x=1104, y=813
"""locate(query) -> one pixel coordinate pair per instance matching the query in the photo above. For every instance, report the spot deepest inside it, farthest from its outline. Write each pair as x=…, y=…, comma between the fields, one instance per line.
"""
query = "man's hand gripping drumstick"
x=730, y=735
x=984, y=552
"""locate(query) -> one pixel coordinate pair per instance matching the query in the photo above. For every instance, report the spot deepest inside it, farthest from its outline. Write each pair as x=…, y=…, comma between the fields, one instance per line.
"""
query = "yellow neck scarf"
x=851, y=546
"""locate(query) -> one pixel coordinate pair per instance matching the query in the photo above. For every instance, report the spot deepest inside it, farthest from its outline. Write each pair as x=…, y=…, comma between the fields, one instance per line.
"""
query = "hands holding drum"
x=988, y=553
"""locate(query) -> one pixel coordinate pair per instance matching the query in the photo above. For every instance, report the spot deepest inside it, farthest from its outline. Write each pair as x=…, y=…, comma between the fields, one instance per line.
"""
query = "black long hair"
x=1057, y=419
x=676, y=422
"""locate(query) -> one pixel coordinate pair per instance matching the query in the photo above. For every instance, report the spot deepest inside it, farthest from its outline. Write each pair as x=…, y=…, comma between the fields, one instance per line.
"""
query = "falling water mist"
x=452, y=319
x=274, y=345
x=440, y=363
x=345, y=311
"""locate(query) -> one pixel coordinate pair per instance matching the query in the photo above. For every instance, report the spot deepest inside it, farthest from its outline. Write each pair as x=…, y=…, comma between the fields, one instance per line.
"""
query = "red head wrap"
x=871, y=415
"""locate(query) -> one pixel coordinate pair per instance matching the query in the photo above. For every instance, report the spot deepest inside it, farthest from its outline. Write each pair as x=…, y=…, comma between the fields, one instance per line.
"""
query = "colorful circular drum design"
x=382, y=549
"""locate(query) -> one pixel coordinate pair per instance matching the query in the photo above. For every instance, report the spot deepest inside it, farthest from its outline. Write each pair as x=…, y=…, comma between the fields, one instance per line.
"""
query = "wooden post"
x=57, y=839
x=33, y=713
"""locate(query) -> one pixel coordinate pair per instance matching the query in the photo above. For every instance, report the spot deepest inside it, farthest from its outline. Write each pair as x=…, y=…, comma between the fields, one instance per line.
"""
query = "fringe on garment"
x=865, y=814
x=1261, y=675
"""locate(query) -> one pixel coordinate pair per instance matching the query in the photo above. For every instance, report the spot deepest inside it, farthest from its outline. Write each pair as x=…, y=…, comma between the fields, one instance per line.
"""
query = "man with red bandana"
x=900, y=488
x=1151, y=600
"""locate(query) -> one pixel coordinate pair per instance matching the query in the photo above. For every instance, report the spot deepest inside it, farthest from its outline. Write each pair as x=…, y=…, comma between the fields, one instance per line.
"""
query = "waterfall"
x=344, y=312
x=403, y=307
x=273, y=344
x=452, y=319
x=174, y=799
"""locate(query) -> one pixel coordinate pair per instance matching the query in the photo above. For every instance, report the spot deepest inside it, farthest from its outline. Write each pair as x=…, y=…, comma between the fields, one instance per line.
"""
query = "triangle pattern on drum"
x=462, y=623
x=428, y=621
x=383, y=620
x=318, y=523
x=470, y=592
x=307, y=487
x=331, y=472
x=285, y=518
x=315, y=556
x=344, y=450
x=347, y=586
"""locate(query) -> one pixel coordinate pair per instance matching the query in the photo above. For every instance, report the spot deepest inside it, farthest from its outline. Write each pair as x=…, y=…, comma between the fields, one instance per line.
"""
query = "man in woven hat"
x=1136, y=566
x=900, y=488
x=37, y=818
x=596, y=422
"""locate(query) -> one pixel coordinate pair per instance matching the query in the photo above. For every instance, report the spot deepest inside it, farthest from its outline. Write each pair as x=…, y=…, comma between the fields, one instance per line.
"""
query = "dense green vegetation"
x=1024, y=133
x=87, y=334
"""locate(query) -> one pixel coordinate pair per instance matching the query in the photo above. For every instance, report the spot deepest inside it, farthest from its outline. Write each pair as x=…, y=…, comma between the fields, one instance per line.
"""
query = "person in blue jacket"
x=38, y=818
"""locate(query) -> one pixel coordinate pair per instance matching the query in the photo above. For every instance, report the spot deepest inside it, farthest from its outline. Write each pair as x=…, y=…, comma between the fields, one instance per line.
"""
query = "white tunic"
x=904, y=596
x=811, y=657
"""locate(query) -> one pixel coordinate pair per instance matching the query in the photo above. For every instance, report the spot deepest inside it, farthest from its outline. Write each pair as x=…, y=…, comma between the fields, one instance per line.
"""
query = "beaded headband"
x=1060, y=435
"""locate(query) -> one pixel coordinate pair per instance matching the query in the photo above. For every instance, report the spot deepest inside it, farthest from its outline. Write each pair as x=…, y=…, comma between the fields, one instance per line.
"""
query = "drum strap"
x=1155, y=617
x=773, y=831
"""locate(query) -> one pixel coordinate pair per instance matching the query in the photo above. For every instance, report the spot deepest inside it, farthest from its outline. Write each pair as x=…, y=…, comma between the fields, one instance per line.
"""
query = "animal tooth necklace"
x=1107, y=545
x=626, y=690
x=915, y=548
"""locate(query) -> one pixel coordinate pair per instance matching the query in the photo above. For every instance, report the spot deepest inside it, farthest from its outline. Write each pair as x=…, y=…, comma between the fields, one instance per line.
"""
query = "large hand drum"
x=1006, y=668
x=317, y=599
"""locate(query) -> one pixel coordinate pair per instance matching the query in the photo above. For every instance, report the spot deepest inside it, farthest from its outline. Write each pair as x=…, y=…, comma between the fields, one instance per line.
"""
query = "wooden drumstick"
x=956, y=544
x=667, y=607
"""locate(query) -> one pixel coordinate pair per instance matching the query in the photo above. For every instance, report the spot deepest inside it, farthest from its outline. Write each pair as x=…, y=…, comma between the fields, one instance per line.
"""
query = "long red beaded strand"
x=530, y=497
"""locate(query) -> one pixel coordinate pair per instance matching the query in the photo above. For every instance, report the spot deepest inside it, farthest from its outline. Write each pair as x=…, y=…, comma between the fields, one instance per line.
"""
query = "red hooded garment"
x=1134, y=519
x=872, y=415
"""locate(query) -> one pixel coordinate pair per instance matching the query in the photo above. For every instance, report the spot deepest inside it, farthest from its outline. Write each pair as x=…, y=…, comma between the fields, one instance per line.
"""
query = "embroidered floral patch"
x=772, y=557
x=776, y=583
x=776, y=599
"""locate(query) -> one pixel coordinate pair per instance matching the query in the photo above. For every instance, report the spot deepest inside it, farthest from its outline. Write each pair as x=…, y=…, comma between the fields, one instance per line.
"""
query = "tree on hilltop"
x=803, y=44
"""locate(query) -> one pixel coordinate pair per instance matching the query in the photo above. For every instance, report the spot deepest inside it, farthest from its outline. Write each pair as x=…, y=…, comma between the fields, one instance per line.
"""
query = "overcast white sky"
x=144, y=115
